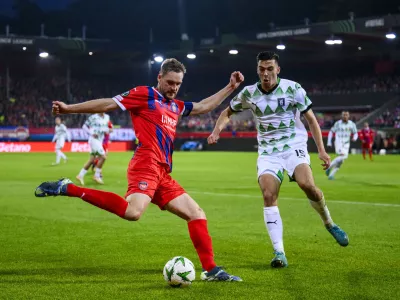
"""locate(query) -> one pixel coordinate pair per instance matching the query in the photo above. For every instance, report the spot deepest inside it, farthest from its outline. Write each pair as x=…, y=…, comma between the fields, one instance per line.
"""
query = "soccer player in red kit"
x=367, y=139
x=155, y=113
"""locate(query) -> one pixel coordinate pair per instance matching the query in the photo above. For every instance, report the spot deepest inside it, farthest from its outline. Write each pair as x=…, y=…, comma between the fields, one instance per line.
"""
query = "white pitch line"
x=330, y=201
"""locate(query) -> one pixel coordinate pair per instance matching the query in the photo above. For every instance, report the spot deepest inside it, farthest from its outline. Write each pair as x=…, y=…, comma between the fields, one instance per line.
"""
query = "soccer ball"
x=179, y=272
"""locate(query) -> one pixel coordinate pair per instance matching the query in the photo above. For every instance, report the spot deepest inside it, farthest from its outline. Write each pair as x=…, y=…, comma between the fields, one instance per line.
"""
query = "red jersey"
x=367, y=135
x=154, y=119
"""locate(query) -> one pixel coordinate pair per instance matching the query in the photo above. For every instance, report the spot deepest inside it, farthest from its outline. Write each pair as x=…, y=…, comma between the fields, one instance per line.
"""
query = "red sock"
x=363, y=152
x=105, y=200
x=370, y=154
x=202, y=242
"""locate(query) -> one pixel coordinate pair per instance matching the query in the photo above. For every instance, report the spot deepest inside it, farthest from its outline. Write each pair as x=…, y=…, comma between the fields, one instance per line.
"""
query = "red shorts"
x=105, y=147
x=366, y=145
x=146, y=176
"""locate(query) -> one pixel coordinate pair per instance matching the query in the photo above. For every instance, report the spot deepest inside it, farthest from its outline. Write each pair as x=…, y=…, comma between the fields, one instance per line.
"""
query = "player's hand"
x=213, y=138
x=325, y=158
x=59, y=108
x=236, y=79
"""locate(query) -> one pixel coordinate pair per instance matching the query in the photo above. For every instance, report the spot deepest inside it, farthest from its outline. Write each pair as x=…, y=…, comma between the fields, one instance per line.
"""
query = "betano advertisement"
x=50, y=147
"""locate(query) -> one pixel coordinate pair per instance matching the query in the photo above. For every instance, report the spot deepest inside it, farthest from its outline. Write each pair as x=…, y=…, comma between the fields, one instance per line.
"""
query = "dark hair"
x=172, y=65
x=268, y=55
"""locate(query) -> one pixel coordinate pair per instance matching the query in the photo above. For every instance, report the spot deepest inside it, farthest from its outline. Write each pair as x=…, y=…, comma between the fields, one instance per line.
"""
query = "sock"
x=202, y=243
x=333, y=172
x=82, y=173
x=97, y=172
x=363, y=153
x=370, y=154
x=337, y=162
x=63, y=156
x=58, y=156
x=105, y=200
x=273, y=222
x=323, y=211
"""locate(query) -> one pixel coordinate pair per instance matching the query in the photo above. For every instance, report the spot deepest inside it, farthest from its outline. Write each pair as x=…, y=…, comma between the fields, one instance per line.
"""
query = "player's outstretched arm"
x=210, y=103
x=220, y=125
x=317, y=136
x=88, y=107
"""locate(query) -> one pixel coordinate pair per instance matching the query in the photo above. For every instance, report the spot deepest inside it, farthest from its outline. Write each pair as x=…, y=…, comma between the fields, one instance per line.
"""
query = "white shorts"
x=60, y=144
x=342, y=148
x=96, y=147
x=277, y=164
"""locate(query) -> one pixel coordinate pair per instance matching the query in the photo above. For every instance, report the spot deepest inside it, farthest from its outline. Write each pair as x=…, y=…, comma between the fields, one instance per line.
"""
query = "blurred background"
x=344, y=53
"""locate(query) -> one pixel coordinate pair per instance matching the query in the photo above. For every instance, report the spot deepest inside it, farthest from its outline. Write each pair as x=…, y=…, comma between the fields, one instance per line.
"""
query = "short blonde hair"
x=172, y=65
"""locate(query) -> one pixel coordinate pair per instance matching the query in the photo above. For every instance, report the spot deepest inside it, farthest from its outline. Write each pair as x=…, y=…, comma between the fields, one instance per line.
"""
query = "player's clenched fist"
x=236, y=79
x=59, y=108
x=213, y=139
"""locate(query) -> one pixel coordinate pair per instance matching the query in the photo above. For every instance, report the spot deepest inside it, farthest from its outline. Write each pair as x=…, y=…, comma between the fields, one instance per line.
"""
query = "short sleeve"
x=239, y=102
x=89, y=121
x=134, y=99
x=303, y=103
x=185, y=108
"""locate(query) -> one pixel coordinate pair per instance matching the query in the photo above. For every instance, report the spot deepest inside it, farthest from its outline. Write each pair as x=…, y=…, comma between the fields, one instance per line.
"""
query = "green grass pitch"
x=64, y=248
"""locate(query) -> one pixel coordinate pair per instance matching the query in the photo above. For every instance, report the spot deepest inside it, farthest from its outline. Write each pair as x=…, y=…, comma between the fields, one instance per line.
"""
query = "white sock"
x=323, y=211
x=82, y=173
x=97, y=172
x=333, y=172
x=58, y=156
x=273, y=222
x=63, y=156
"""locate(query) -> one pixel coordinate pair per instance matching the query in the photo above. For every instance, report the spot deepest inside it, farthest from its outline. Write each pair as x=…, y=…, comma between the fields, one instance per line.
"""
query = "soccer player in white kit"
x=96, y=126
x=276, y=105
x=343, y=130
x=60, y=135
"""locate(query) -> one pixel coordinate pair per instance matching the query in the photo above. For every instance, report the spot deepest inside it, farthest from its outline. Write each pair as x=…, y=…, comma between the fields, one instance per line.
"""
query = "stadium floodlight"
x=24, y=48
x=159, y=58
x=90, y=53
x=391, y=35
x=330, y=42
x=44, y=54
x=191, y=56
x=211, y=50
x=281, y=47
x=337, y=42
x=359, y=48
x=233, y=52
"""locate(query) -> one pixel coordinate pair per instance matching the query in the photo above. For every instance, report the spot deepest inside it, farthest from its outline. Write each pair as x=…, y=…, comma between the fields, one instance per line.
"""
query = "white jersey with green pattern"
x=343, y=131
x=277, y=114
x=98, y=125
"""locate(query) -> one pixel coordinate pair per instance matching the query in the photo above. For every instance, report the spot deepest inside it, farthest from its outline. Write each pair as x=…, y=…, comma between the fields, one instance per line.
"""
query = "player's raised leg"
x=130, y=209
x=270, y=185
x=336, y=165
x=305, y=180
x=186, y=208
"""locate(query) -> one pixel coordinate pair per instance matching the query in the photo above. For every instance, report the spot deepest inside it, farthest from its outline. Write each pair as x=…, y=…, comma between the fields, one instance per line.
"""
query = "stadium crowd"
x=30, y=102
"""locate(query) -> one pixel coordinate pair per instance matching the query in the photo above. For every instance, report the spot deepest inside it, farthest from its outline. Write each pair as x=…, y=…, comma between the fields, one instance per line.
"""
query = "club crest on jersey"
x=174, y=107
x=125, y=94
x=143, y=185
x=281, y=101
